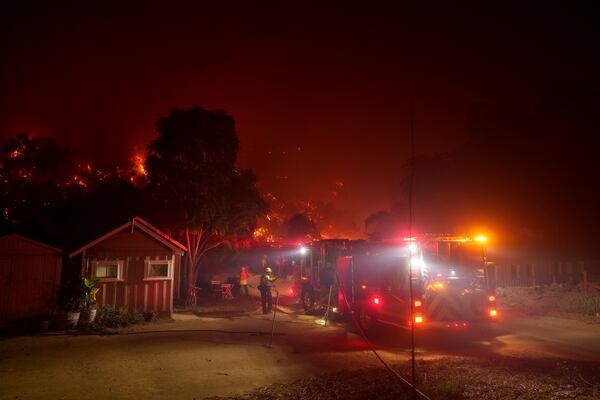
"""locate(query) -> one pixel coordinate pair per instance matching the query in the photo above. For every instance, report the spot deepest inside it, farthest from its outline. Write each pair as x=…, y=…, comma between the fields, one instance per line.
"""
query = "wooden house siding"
x=29, y=278
x=134, y=293
x=129, y=243
x=132, y=246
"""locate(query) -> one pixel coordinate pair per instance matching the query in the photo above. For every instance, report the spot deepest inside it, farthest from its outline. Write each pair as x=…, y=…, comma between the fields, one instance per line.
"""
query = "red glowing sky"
x=319, y=94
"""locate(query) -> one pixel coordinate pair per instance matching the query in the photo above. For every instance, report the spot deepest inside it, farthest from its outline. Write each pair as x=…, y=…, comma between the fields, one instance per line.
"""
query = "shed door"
x=5, y=278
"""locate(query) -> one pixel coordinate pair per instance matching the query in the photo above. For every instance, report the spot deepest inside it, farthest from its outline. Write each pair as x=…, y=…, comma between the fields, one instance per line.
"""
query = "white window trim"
x=147, y=265
x=119, y=263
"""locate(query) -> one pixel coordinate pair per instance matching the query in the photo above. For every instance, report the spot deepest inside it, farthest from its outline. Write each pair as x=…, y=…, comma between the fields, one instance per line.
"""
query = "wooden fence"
x=536, y=274
x=586, y=285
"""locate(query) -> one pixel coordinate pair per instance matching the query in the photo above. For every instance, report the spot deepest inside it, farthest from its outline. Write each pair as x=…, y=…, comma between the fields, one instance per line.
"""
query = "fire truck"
x=373, y=279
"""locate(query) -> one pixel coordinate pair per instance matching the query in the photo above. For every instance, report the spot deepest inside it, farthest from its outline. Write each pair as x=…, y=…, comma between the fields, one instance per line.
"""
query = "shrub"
x=584, y=303
x=114, y=317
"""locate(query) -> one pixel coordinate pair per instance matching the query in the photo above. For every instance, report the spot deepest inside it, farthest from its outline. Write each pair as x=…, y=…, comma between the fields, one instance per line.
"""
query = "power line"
x=410, y=235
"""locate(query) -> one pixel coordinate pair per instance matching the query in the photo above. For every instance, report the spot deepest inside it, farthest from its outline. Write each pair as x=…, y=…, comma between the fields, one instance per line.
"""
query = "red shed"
x=29, y=278
x=137, y=265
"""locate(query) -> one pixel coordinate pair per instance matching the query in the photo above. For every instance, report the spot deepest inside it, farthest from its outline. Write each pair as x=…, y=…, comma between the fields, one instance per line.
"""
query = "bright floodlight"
x=303, y=250
x=415, y=262
x=412, y=247
x=481, y=238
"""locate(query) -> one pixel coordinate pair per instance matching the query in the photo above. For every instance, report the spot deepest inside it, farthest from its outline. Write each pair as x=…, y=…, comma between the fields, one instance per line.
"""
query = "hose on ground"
x=375, y=352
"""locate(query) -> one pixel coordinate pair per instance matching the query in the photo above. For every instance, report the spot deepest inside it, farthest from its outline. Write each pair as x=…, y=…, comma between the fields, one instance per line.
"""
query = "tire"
x=308, y=298
x=367, y=319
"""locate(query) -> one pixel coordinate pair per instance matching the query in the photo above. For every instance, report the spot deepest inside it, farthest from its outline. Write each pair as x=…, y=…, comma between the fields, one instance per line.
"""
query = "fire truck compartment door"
x=454, y=306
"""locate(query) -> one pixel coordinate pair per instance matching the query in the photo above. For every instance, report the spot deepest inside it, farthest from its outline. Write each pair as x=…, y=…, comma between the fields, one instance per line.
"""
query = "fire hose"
x=415, y=390
x=274, y=314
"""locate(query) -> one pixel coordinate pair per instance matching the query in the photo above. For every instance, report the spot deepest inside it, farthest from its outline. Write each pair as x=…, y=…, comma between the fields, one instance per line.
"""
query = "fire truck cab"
x=447, y=274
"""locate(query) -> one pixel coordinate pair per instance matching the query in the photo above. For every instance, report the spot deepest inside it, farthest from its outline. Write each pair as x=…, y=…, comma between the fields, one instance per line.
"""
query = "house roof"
x=33, y=242
x=145, y=227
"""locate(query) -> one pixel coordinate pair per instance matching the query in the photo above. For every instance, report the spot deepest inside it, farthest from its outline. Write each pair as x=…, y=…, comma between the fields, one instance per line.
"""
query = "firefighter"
x=244, y=280
x=266, y=282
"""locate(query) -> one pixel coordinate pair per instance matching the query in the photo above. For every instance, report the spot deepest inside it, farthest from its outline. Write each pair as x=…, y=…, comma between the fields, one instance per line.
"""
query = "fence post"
x=495, y=276
x=560, y=272
x=570, y=272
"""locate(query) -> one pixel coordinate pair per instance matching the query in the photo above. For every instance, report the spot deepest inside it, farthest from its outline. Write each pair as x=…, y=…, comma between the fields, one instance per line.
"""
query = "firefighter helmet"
x=268, y=270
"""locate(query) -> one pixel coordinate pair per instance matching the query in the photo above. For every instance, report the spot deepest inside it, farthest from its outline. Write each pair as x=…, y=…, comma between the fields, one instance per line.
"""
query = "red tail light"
x=376, y=300
x=292, y=291
x=492, y=298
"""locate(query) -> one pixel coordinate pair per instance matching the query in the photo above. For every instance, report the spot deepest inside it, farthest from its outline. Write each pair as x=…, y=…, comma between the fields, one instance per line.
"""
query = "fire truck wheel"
x=367, y=319
x=308, y=299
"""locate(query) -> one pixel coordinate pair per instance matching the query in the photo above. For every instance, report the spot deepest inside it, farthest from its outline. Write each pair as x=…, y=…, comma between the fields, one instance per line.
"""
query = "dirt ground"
x=208, y=352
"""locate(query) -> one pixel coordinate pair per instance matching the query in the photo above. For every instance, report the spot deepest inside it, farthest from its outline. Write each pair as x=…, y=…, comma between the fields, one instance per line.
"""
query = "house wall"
x=134, y=292
x=29, y=279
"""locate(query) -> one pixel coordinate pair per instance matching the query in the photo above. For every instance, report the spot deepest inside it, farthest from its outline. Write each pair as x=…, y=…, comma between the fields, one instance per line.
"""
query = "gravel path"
x=449, y=378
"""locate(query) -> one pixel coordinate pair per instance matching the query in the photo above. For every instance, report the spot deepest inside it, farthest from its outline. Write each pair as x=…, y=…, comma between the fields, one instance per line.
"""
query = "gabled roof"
x=145, y=227
x=31, y=241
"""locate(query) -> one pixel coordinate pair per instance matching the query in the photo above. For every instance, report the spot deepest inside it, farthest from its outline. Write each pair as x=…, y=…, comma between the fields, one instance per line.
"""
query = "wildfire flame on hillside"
x=324, y=213
x=138, y=164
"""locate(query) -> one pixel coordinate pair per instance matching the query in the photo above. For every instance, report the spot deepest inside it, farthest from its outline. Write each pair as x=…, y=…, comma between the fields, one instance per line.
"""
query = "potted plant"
x=69, y=317
x=50, y=300
x=89, y=289
x=70, y=306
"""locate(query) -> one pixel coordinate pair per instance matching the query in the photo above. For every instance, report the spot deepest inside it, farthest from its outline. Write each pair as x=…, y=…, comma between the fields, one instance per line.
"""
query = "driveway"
x=187, y=359
x=193, y=358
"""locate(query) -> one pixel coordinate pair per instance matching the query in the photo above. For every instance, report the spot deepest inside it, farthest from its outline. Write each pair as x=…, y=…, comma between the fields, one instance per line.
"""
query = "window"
x=159, y=269
x=107, y=270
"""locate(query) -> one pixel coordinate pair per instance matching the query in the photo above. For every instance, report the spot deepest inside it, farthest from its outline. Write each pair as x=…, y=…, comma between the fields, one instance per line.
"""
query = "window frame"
x=148, y=263
x=118, y=278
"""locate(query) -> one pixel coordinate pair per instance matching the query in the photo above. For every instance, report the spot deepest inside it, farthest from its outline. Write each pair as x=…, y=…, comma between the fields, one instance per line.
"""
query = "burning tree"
x=35, y=173
x=193, y=178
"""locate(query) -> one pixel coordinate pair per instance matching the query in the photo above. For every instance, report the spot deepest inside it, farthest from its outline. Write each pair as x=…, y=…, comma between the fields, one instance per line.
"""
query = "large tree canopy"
x=198, y=189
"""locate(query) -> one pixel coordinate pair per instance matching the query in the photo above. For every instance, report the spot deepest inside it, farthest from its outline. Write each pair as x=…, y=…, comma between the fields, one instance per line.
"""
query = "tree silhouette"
x=198, y=189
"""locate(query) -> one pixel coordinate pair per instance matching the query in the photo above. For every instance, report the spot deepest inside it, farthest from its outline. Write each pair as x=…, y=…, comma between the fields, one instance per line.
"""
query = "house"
x=29, y=278
x=137, y=266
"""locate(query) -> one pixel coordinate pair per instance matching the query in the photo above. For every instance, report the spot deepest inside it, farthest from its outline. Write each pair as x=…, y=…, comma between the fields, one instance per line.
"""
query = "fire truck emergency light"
x=493, y=313
x=418, y=319
x=418, y=303
x=492, y=298
x=303, y=250
x=376, y=300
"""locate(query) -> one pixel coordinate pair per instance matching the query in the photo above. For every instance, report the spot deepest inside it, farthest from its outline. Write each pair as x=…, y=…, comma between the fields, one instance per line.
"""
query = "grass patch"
x=115, y=317
x=584, y=303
